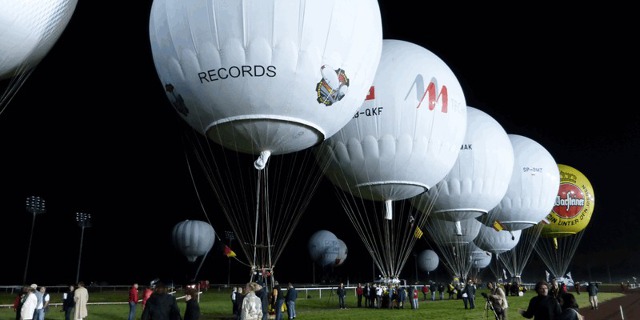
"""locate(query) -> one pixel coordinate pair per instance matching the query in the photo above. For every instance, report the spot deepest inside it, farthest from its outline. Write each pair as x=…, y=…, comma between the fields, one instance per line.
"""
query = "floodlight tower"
x=35, y=206
x=84, y=221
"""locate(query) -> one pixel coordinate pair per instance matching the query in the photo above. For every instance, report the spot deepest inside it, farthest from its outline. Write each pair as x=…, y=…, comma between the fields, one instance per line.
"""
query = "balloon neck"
x=261, y=162
x=458, y=228
x=388, y=212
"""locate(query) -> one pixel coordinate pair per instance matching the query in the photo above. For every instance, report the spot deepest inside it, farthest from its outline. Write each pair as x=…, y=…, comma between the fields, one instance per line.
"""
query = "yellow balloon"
x=573, y=206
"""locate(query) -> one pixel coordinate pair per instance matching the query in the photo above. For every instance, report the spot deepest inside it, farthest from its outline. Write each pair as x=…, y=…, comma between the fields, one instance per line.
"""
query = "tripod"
x=489, y=306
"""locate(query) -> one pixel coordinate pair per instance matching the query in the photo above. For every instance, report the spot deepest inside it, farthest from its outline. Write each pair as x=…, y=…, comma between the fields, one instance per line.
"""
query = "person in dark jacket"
x=470, y=291
x=264, y=298
x=290, y=299
x=570, y=308
x=68, y=303
x=239, y=299
x=192, y=310
x=279, y=301
x=592, y=289
x=543, y=306
x=341, y=292
x=161, y=305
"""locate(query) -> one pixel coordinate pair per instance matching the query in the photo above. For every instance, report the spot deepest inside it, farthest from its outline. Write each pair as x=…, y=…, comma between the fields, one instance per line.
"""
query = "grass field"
x=216, y=304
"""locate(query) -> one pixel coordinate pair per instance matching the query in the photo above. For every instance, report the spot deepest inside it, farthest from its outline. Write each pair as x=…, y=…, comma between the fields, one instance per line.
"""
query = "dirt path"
x=610, y=310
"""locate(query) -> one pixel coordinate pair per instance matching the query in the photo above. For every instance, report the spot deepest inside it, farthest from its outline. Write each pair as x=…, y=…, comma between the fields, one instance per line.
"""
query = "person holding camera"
x=498, y=300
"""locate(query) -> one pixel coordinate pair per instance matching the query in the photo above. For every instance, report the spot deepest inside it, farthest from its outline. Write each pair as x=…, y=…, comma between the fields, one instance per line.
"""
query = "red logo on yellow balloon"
x=569, y=202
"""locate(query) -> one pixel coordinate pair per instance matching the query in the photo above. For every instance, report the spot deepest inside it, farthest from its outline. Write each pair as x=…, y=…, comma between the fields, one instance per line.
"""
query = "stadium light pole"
x=230, y=236
x=84, y=221
x=35, y=206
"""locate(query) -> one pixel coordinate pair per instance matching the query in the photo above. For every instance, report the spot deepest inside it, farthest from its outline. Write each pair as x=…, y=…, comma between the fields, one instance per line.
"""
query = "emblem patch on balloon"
x=569, y=202
x=176, y=100
x=333, y=86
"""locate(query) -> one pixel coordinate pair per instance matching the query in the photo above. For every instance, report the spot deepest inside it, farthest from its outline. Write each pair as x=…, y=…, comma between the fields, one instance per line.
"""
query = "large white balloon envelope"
x=193, y=238
x=407, y=134
x=495, y=241
x=343, y=252
x=480, y=176
x=428, y=260
x=266, y=76
x=533, y=187
x=323, y=245
x=28, y=31
x=479, y=258
x=445, y=232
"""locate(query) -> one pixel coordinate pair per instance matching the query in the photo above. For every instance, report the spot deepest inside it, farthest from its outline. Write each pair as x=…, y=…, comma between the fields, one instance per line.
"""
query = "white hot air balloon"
x=264, y=78
x=530, y=197
x=406, y=136
x=479, y=178
x=320, y=242
x=28, y=29
x=193, y=238
x=428, y=260
x=455, y=241
x=403, y=140
x=343, y=252
x=495, y=241
x=479, y=258
x=532, y=189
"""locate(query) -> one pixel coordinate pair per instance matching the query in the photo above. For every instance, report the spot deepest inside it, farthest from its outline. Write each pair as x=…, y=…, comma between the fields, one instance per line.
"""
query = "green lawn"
x=216, y=304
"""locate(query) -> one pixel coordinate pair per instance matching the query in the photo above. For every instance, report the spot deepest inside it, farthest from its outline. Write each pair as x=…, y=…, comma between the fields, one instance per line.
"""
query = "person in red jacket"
x=415, y=297
x=425, y=291
x=133, y=301
x=360, y=293
x=145, y=296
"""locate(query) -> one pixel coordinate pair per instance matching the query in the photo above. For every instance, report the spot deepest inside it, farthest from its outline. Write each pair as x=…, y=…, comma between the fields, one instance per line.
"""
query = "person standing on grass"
x=543, y=306
x=145, y=296
x=470, y=290
x=425, y=290
x=499, y=298
x=359, y=293
x=239, y=301
x=415, y=297
x=67, y=303
x=28, y=309
x=19, y=300
x=133, y=301
x=441, y=290
x=373, y=294
x=592, y=289
x=264, y=298
x=45, y=301
x=569, y=307
x=161, y=305
x=80, y=297
x=233, y=300
x=433, y=287
x=279, y=301
x=341, y=292
x=290, y=299
x=251, y=304
x=39, y=312
x=192, y=310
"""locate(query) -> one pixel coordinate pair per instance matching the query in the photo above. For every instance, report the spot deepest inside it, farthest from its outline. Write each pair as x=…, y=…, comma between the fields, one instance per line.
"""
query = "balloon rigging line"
x=191, y=175
x=14, y=85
